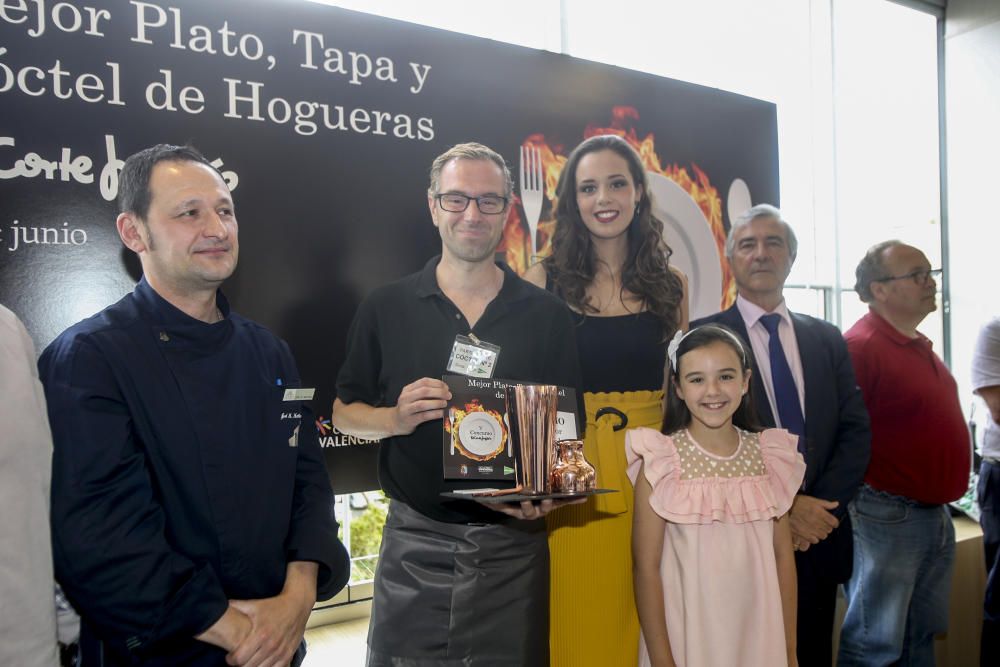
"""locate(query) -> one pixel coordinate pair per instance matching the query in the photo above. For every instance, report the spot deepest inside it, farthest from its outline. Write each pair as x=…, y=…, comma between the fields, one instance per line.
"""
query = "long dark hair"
x=675, y=411
x=646, y=272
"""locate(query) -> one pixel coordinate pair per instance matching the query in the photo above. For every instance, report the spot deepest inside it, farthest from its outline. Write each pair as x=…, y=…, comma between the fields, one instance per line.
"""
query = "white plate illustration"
x=738, y=200
x=689, y=236
x=480, y=434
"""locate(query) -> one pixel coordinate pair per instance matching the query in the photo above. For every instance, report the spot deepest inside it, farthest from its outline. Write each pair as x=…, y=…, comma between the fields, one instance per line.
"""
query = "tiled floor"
x=337, y=645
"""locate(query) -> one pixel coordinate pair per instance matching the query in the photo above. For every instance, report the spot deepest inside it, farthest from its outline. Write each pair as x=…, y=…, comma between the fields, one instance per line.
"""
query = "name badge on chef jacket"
x=473, y=357
x=298, y=394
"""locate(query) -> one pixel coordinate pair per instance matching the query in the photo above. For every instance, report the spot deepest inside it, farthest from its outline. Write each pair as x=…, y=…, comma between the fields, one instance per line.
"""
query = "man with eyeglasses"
x=904, y=541
x=457, y=582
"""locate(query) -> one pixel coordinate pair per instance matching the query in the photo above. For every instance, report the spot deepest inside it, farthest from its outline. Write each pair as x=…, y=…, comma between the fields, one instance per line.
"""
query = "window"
x=886, y=129
x=361, y=517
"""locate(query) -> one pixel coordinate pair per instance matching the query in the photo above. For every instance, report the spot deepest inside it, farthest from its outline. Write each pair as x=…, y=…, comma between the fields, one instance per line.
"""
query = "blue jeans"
x=897, y=598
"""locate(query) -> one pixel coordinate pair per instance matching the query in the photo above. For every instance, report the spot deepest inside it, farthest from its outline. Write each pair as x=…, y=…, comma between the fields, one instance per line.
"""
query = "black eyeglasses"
x=454, y=202
x=919, y=277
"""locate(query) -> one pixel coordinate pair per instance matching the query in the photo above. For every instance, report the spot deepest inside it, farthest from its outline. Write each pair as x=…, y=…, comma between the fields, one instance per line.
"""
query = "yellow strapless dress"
x=593, y=620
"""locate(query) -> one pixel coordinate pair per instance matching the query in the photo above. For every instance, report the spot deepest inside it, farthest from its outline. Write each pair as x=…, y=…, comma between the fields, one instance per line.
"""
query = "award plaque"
x=483, y=426
x=476, y=433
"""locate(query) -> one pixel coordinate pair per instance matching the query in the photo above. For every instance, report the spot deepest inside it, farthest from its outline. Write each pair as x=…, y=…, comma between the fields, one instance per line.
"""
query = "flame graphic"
x=456, y=415
x=516, y=245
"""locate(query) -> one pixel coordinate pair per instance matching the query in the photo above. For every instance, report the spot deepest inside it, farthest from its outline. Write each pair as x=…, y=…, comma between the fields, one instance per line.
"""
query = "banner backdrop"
x=324, y=123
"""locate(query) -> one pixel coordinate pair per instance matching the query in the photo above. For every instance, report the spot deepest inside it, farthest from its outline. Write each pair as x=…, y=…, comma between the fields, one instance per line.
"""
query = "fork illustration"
x=532, y=182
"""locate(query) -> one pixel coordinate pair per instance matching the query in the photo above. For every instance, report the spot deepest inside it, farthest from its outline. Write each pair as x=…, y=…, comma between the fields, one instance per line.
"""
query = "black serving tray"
x=518, y=497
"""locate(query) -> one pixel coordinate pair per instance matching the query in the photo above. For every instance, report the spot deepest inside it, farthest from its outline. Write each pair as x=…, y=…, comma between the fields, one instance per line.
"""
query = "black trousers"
x=817, y=603
x=988, y=493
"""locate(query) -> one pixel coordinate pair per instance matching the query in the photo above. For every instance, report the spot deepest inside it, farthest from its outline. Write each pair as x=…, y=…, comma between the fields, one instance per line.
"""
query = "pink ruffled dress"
x=720, y=581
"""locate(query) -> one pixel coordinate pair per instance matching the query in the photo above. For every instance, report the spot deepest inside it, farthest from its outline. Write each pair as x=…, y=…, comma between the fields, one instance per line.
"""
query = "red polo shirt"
x=920, y=441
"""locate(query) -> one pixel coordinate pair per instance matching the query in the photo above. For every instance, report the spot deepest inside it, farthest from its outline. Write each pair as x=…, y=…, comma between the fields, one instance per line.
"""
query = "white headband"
x=680, y=336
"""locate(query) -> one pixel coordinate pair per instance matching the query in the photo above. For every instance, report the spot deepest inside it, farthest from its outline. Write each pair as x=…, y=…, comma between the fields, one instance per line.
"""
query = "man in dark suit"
x=802, y=381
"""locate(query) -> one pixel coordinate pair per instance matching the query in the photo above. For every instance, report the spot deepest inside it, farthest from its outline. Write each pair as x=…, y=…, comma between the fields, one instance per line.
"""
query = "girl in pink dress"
x=714, y=569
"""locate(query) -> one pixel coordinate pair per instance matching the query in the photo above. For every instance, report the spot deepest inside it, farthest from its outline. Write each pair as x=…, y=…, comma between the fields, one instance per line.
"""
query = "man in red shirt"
x=904, y=542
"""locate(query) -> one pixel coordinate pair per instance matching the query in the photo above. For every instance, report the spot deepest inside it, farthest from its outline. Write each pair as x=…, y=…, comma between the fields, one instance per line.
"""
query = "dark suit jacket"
x=838, y=437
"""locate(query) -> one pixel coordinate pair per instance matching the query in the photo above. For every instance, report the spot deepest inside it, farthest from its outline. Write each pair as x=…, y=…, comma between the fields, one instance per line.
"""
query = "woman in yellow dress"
x=610, y=263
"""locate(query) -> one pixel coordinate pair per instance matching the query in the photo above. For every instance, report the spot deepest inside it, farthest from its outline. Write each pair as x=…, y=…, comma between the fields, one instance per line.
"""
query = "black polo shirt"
x=405, y=331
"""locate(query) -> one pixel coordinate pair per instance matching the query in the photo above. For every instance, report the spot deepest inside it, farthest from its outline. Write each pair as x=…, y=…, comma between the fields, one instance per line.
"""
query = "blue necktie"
x=786, y=396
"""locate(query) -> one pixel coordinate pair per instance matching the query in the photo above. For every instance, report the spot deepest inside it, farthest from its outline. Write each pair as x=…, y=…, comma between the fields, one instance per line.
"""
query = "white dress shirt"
x=759, y=340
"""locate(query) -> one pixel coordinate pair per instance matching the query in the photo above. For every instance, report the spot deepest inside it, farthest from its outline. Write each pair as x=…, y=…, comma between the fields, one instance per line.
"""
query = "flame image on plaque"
x=478, y=433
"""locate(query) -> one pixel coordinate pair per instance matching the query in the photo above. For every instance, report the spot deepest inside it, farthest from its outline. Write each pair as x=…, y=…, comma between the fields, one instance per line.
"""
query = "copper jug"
x=571, y=472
